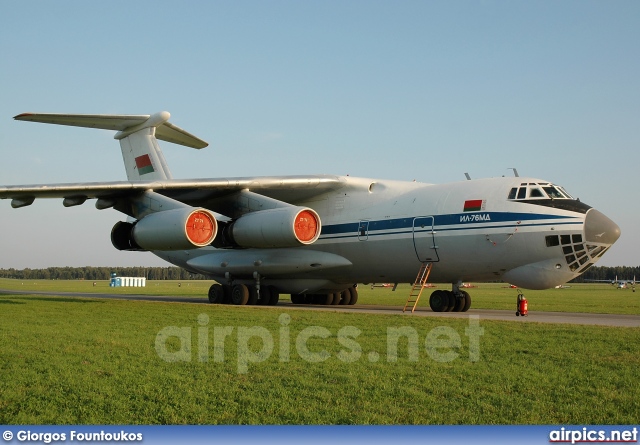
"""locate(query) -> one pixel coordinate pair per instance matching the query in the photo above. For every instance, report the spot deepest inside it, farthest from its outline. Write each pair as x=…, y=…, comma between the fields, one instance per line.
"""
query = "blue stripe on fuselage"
x=466, y=220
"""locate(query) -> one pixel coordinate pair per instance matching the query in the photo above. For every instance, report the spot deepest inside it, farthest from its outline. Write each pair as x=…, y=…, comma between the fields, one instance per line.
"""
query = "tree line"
x=100, y=273
x=609, y=273
x=177, y=273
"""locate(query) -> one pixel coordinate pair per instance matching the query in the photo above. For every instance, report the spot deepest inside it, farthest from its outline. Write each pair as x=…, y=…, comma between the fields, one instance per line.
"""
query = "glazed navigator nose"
x=598, y=228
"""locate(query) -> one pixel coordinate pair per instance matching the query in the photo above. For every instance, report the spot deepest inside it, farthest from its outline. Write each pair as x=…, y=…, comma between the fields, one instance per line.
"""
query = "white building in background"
x=127, y=281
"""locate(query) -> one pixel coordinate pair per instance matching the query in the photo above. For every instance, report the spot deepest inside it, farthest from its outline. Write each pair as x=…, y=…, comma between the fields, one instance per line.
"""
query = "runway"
x=576, y=318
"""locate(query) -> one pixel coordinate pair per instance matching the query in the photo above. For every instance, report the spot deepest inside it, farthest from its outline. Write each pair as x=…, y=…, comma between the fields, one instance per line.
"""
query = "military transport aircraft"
x=316, y=236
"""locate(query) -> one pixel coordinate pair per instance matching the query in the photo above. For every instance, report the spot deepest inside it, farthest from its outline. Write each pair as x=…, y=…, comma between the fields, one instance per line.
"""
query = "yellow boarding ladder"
x=418, y=286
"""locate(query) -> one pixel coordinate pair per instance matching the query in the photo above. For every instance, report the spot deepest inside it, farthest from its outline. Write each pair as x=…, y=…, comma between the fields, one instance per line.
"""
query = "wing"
x=196, y=192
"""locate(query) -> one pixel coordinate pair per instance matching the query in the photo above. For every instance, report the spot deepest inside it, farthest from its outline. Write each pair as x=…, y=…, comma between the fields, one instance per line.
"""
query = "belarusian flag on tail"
x=144, y=164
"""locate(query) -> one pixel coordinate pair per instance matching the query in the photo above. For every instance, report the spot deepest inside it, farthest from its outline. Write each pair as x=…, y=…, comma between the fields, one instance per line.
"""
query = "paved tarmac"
x=484, y=314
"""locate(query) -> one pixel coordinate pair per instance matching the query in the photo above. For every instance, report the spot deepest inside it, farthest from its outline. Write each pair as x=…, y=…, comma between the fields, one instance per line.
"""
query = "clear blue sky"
x=423, y=90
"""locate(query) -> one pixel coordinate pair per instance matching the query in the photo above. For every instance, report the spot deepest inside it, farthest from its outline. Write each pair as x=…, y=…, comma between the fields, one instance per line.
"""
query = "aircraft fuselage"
x=470, y=230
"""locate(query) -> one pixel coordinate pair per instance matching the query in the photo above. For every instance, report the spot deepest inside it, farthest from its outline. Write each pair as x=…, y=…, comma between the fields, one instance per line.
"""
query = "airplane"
x=316, y=236
x=619, y=284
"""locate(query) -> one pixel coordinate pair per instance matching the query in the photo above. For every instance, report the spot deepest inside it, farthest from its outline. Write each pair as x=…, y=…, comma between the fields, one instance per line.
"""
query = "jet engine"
x=281, y=227
x=177, y=229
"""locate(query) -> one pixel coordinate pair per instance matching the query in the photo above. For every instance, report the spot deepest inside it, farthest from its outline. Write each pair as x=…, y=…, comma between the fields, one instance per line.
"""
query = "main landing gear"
x=240, y=294
x=450, y=301
x=346, y=297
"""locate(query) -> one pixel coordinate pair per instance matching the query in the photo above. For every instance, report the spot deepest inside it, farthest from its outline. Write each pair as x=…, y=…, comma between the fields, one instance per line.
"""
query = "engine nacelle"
x=176, y=229
x=281, y=227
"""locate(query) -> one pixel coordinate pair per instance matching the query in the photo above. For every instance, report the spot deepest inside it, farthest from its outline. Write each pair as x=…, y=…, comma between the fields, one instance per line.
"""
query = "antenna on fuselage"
x=515, y=172
x=467, y=176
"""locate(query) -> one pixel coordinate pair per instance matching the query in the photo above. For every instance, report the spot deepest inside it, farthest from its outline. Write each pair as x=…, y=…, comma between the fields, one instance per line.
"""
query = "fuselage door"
x=363, y=230
x=424, y=239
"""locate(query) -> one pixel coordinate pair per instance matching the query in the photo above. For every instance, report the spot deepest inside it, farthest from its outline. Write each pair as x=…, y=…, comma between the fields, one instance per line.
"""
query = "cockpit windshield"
x=532, y=190
x=554, y=193
x=564, y=192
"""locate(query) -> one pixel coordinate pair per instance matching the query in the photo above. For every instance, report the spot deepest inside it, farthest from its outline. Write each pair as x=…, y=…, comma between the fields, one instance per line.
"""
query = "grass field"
x=591, y=298
x=91, y=361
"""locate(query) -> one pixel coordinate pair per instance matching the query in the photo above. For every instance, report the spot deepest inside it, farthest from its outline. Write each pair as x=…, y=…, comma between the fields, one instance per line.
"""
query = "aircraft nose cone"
x=600, y=229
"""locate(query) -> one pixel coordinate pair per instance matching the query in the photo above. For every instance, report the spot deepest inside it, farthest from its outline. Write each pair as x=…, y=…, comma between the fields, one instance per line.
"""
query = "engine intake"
x=281, y=227
x=176, y=229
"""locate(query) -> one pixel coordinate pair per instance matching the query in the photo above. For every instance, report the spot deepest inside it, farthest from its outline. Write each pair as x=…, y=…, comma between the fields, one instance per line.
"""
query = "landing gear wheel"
x=328, y=299
x=295, y=299
x=253, y=296
x=460, y=302
x=354, y=296
x=265, y=296
x=239, y=294
x=467, y=301
x=216, y=294
x=336, y=298
x=274, y=296
x=452, y=301
x=345, y=297
x=439, y=301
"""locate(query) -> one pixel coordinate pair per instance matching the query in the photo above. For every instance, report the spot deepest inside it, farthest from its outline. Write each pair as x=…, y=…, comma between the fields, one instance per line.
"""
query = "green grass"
x=591, y=298
x=90, y=361
x=185, y=288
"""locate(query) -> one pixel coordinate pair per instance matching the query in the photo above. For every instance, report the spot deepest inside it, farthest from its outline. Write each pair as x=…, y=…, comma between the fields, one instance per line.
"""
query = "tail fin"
x=137, y=134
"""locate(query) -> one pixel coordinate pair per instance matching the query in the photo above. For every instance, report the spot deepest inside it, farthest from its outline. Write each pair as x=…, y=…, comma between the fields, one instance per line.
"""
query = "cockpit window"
x=553, y=193
x=564, y=192
x=545, y=194
x=541, y=190
x=536, y=193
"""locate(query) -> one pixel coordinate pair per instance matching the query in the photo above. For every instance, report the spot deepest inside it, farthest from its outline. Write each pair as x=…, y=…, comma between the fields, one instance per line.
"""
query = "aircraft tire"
x=452, y=301
x=460, y=302
x=328, y=299
x=297, y=299
x=239, y=294
x=337, y=296
x=345, y=297
x=253, y=296
x=438, y=301
x=354, y=296
x=467, y=301
x=216, y=294
x=274, y=296
x=265, y=296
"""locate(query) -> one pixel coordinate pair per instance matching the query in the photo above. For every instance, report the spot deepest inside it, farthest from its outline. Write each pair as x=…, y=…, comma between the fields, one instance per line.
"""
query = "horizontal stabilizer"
x=172, y=133
x=165, y=131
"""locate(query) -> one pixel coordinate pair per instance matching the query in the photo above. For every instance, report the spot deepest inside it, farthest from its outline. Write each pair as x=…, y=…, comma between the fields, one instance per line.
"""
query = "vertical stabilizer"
x=143, y=159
